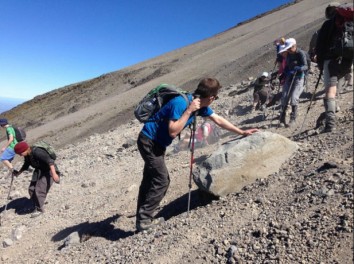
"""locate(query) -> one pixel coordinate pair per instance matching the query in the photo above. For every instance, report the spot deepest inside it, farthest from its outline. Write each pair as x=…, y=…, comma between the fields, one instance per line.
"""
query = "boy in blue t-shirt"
x=156, y=136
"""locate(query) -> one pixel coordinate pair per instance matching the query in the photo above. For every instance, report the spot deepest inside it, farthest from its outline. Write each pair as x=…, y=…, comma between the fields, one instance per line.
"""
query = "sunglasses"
x=216, y=97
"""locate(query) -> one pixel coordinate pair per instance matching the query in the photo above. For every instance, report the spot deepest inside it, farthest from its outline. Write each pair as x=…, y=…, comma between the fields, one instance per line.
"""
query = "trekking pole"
x=290, y=90
x=194, y=128
x=308, y=108
x=8, y=195
x=277, y=92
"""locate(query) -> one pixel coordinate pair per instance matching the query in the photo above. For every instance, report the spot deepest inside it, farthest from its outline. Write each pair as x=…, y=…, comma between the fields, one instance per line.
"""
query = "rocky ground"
x=301, y=214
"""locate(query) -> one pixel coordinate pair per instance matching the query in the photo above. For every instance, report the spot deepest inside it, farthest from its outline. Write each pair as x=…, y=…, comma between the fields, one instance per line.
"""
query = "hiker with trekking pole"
x=156, y=135
x=295, y=67
x=46, y=172
x=334, y=53
x=7, y=152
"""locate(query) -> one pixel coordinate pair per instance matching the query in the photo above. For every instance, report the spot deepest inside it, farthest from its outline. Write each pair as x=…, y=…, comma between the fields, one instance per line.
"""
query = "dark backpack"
x=343, y=43
x=47, y=147
x=20, y=133
x=155, y=99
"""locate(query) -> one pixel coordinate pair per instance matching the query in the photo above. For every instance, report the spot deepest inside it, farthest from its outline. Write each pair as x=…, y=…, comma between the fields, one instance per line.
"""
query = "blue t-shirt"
x=173, y=110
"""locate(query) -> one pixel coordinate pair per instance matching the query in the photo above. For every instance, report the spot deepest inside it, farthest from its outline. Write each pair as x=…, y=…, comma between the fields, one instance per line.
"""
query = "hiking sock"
x=330, y=106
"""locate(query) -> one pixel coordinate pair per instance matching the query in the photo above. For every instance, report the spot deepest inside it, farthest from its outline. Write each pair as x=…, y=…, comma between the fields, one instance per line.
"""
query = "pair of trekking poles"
x=287, y=98
x=290, y=91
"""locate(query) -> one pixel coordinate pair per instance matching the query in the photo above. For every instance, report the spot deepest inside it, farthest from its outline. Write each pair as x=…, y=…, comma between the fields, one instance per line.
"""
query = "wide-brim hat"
x=288, y=44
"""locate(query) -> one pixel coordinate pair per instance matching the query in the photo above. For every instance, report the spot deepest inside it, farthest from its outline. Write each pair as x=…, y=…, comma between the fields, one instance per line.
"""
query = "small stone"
x=7, y=243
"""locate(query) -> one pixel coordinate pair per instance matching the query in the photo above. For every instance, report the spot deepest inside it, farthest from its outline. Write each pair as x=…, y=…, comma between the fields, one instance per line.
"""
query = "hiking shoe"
x=147, y=224
x=291, y=124
x=36, y=213
x=328, y=129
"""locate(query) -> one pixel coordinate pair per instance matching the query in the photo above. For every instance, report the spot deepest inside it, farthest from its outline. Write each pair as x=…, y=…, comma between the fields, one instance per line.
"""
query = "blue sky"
x=45, y=44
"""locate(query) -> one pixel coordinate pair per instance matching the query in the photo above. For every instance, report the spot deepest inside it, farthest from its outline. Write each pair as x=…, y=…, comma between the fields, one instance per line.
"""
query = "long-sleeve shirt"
x=38, y=159
x=296, y=59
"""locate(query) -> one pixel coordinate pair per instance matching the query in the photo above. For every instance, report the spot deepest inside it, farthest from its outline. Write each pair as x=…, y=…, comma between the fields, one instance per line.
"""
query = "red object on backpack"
x=346, y=10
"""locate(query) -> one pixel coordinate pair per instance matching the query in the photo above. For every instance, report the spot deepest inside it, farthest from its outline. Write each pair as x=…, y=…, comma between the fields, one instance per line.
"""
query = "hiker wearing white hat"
x=295, y=68
x=260, y=92
x=289, y=43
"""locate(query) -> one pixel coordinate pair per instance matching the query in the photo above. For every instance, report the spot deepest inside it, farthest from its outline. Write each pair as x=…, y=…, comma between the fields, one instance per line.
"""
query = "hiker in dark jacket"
x=295, y=68
x=333, y=66
x=329, y=13
x=43, y=176
x=261, y=92
x=156, y=136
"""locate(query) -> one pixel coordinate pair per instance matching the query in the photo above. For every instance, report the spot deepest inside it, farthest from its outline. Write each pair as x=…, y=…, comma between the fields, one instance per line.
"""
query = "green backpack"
x=147, y=108
x=47, y=147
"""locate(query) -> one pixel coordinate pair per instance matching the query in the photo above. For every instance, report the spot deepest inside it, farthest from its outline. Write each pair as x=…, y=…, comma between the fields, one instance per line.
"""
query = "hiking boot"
x=282, y=119
x=147, y=224
x=293, y=116
x=292, y=123
x=36, y=213
x=328, y=129
x=330, y=106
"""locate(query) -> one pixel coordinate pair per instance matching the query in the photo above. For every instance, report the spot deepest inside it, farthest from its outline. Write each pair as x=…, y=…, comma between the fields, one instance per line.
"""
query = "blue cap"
x=3, y=121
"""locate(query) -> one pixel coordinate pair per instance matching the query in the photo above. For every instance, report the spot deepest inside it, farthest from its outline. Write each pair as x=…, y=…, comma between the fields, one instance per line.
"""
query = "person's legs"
x=7, y=156
x=330, y=97
x=263, y=97
x=255, y=100
x=42, y=188
x=155, y=181
x=33, y=196
x=295, y=97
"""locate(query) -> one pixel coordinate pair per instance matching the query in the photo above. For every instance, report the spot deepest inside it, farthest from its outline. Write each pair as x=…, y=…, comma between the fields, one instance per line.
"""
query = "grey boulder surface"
x=240, y=162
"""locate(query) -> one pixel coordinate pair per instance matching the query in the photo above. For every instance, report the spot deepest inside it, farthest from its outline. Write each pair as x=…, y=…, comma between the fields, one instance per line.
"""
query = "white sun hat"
x=288, y=44
x=265, y=74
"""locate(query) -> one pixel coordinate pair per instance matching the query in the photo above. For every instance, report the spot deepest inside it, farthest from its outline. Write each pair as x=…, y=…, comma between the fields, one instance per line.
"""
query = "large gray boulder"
x=238, y=163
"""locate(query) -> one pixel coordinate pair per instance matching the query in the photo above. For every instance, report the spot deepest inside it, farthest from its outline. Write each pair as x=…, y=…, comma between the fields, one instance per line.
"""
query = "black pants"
x=155, y=180
x=39, y=189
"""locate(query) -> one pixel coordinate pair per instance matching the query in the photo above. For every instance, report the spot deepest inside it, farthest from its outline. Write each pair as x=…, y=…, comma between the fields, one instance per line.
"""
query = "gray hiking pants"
x=297, y=88
x=155, y=180
x=39, y=189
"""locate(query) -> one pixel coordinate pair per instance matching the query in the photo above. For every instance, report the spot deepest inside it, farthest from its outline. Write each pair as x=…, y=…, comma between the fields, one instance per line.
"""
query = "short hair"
x=207, y=87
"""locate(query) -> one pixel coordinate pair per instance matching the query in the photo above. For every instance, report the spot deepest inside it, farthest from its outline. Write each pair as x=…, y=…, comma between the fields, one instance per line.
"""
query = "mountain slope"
x=71, y=113
x=301, y=214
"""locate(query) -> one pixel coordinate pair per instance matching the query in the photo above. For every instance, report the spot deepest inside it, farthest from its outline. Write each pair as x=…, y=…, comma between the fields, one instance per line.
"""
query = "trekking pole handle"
x=196, y=96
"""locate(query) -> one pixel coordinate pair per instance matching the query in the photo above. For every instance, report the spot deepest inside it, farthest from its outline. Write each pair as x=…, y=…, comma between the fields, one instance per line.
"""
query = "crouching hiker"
x=43, y=176
x=295, y=68
x=261, y=92
x=154, y=137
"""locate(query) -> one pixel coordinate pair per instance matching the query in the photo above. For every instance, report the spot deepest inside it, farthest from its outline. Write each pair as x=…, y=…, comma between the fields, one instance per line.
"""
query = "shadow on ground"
x=86, y=230
x=21, y=206
x=180, y=205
